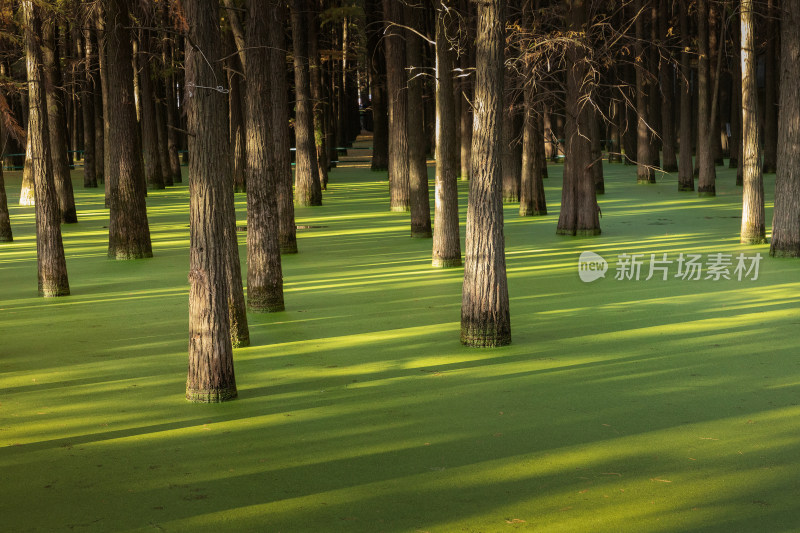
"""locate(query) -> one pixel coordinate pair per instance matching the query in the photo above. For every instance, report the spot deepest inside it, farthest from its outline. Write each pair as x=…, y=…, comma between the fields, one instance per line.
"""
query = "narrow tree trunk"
x=27, y=196
x=485, y=317
x=173, y=123
x=666, y=77
x=511, y=144
x=52, y=267
x=111, y=175
x=465, y=91
x=87, y=109
x=644, y=158
x=705, y=131
x=597, y=153
x=161, y=129
x=211, y=375
x=308, y=189
x=99, y=127
x=686, y=166
x=147, y=107
x=446, y=239
x=6, y=234
x=317, y=100
x=264, y=274
x=419, y=197
x=236, y=105
x=128, y=228
x=531, y=202
x=380, y=117
x=771, y=76
x=786, y=216
x=753, y=231
x=57, y=121
x=398, y=118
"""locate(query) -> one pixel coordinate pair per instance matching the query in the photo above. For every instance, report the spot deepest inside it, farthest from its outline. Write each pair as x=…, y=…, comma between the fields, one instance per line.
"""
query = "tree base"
x=530, y=212
x=754, y=239
x=510, y=199
x=421, y=234
x=54, y=292
x=441, y=262
x=399, y=209
x=670, y=168
x=259, y=301
x=288, y=249
x=479, y=337
x=26, y=198
x=706, y=192
x=791, y=252
x=686, y=188
x=645, y=181
x=586, y=232
x=69, y=217
x=124, y=255
x=6, y=238
x=211, y=395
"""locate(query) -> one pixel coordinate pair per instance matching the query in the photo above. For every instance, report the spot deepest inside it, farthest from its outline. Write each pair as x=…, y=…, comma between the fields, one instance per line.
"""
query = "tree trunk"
x=264, y=274
x=86, y=88
x=110, y=175
x=211, y=375
x=771, y=76
x=398, y=118
x=705, y=130
x=236, y=105
x=511, y=143
x=57, y=121
x=786, y=216
x=147, y=107
x=52, y=267
x=686, y=166
x=464, y=87
x=308, y=189
x=644, y=157
x=485, y=316
x=97, y=98
x=317, y=99
x=597, y=153
x=377, y=63
x=666, y=76
x=579, y=210
x=753, y=231
x=6, y=234
x=128, y=229
x=27, y=194
x=279, y=91
x=446, y=238
x=532, y=201
x=419, y=197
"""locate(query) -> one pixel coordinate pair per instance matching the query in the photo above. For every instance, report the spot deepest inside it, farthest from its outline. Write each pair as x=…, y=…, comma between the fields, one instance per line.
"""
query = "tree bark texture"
x=644, y=157
x=6, y=235
x=666, y=77
x=264, y=274
x=308, y=189
x=394, y=48
x=211, y=374
x=52, y=266
x=317, y=100
x=485, y=316
x=685, y=163
x=27, y=196
x=380, y=117
x=705, y=157
x=532, y=201
x=771, y=76
x=128, y=228
x=446, y=236
x=147, y=107
x=87, y=89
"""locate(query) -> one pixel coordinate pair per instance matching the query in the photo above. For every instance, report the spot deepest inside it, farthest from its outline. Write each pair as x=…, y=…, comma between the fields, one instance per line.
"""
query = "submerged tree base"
x=531, y=212
x=441, y=262
x=421, y=234
x=400, y=209
x=289, y=248
x=686, y=188
x=484, y=336
x=262, y=300
x=211, y=395
x=125, y=255
x=590, y=232
x=53, y=292
x=706, y=192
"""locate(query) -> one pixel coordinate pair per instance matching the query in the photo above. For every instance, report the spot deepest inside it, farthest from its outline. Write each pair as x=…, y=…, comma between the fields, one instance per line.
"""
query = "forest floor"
x=621, y=404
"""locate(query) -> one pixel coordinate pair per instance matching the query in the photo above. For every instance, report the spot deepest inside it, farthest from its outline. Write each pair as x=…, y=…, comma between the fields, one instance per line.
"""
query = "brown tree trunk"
x=419, y=197
x=308, y=189
x=147, y=107
x=485, y=316
x=597, y=153
x=52, y=267
x=377, y=63
x=686, y=166
x=128, y=229
x=511, y=143
x=211, y=375
x=786, y=216
x=161, y=129
x=398, y=104
x=753, y=231
x=666, y=76
x=6, y=234
x=87, y=109
x=579, y=210
x=57, y=121
x=705, y=131
x=317, y=97
x=236, y=104
x=27, y=196
x=446, y=239
x=532, y=201
x=464, y=87
x=111, y=175
x=264, y=274
x=771, y=76
x=97, y=96
x=279, y=91
x=644, y=157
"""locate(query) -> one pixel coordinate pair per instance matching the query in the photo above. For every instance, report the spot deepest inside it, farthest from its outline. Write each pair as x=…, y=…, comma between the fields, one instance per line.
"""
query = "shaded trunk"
x=446, y=239
x=97, y=96
x=398, y=105
x=511, y=143
x=87, y=89
x=753, y=231
x=52, y=266
x=57, y=121
x=161, y=129
x=377, y=64
x=597, y=153
x=786, y=216
x=6, y=234
x=666, y=77
x=317, y=98
x=147, y=108
x=211, y=375
x=531, y=201
x=264, y=274
x=705, y=131
x=419, y=197
x=464, y=87
x=128, y=228
x=686, y=166
x=644, y=157
x=236, y=97
x=308, y=189
x=485, y=316
x=27, y=194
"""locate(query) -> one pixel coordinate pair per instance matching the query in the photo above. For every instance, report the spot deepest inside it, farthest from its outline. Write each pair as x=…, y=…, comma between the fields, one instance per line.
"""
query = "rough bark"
x=147, y=107
x=128, y=228
x=173, y=122
x=52, y=266
x=211, y=374
x=264, y=274
x=446, y=239
x=666, y=77
x=308, y=189
x=380, y=117
x=27, y=196
x=419, y=197
x=485, y=316
x=398, y=128
x=686, y=166
x=771, y=76
x=786, y=216
x=317, y=99
x=644, y=157
x=97, y=96
x=705, y=156
x=464, y=87
x=57, y=122
x=511, y=143
x=236, y=104
x=86, y=88
x=532, y=201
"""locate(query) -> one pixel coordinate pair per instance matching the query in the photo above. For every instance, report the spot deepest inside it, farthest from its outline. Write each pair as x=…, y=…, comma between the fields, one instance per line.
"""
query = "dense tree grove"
x=491, y=90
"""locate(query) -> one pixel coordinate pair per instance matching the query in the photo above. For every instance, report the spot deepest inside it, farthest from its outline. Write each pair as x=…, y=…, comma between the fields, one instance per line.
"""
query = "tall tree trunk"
x=110, y=175
x=87, y=109
x=173, y=121
x=52, y=266
x=736, y=97
x=419, y=197
x=531, y=201
x=161, y=129
x=753, y=231
x=264, y=274
x=128, y=229
x=317, y=97
x=211, y=375
x=6, y=235
x=666, y=77
x=686, y=166
x=579, y=210
x=771, y=76
x=237, y=126
x=511, y=143
x=97, y=97
x=27, y=194
x=464, y=88
x=485, y=316
x=147, y=107
x=597, y=152
x=398, y=118
x=57, y=121
x=446, y=238
x=707, y=174
x=644, y=157
x=308, y=189
x=279, y=91
x=377, y=64
x=786, y=216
